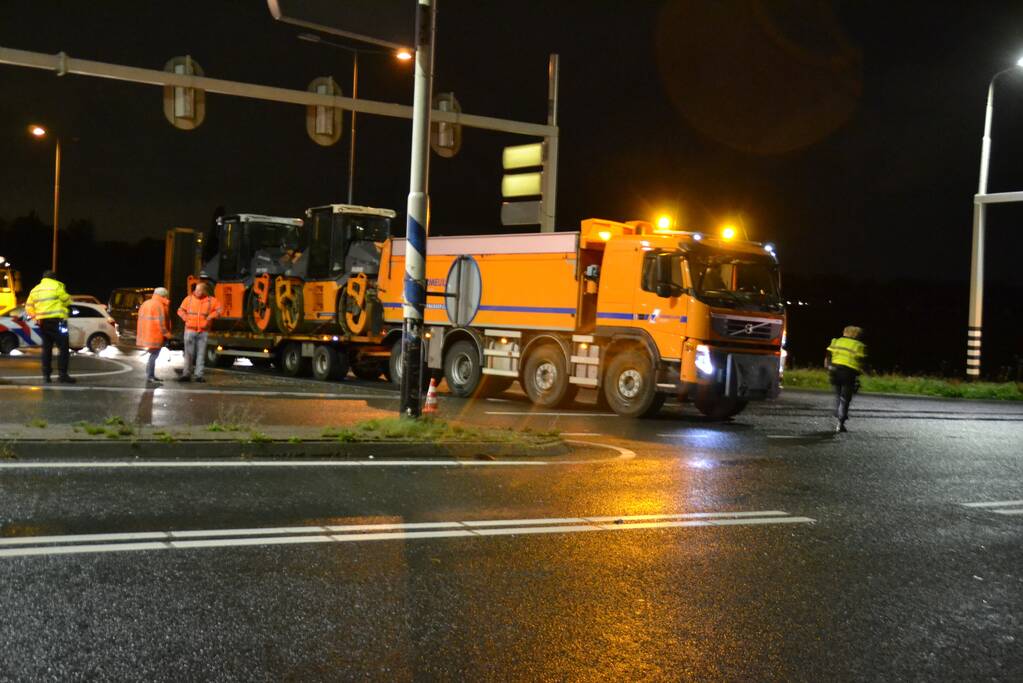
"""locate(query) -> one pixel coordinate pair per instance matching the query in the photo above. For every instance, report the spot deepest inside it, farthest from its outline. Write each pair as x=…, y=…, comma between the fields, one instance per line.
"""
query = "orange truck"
x=636, y=313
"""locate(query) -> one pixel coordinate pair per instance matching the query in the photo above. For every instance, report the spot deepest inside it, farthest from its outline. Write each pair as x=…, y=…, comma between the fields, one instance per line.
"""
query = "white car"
x=89, y=327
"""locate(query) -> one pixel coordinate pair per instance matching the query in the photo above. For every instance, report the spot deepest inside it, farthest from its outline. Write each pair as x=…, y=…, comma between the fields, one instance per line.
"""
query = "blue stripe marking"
x=640, y=316
x=416, y=236
x=616, y=316
x=415, y=293
x=529, y=309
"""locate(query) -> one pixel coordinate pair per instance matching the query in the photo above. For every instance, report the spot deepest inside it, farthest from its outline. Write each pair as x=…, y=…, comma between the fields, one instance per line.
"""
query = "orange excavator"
x=249, y=253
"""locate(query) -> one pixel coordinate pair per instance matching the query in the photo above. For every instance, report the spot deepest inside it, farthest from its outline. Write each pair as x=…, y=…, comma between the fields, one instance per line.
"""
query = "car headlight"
x=704, y=364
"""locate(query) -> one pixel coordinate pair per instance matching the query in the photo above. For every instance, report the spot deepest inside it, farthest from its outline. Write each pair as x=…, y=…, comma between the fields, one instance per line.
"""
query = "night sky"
x=847, y=133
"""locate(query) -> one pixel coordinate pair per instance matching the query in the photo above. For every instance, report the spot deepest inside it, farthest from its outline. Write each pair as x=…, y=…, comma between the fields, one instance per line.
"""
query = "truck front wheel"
x=629, y=386
x=719, y=407
x=545, y=378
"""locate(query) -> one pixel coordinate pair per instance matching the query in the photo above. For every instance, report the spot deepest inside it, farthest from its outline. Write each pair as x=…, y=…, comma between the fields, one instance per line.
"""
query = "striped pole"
x=418, y=224
x=977, y=257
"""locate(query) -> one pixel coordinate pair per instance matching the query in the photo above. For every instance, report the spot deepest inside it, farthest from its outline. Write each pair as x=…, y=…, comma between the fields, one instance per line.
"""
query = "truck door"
x=662, y=313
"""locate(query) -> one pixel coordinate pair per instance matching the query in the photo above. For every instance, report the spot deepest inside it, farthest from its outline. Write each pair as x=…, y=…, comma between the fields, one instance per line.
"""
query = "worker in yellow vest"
x=48, y=304
x=845, y=360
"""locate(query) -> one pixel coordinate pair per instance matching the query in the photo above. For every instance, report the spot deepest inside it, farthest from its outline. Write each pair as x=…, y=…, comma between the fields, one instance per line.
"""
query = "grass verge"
x=817, y=378
x=429, y=429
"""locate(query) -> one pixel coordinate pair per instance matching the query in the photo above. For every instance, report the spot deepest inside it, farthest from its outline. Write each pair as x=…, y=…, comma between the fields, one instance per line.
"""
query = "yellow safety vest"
x=848, y=352
x=48, y=299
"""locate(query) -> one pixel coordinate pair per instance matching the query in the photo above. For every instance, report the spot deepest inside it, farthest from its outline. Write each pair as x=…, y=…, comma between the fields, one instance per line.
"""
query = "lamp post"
x=973, y=331
x=401, y=54
x=39, y=132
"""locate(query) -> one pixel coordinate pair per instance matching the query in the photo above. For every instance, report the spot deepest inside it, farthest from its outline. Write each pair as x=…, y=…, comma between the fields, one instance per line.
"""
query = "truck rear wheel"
x=545, y=378
x=328, y=364
x=462, y=369
x=291, y=362
x=719, y=407
x=629, y=386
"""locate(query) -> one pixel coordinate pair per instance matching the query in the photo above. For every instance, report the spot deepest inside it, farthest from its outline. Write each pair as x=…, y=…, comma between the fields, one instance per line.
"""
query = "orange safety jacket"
x=198, y=313
x=153, y=327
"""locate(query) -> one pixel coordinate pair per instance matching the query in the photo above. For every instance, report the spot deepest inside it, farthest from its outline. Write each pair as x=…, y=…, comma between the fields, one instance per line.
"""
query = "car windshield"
x=735, y=279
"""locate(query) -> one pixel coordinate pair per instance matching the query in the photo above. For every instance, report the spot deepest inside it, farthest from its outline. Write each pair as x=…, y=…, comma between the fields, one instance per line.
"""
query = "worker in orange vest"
x=154, y=329
x=198, y=310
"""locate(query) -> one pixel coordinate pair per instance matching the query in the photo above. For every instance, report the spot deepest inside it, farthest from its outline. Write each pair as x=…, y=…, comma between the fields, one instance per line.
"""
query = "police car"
x=89, y=326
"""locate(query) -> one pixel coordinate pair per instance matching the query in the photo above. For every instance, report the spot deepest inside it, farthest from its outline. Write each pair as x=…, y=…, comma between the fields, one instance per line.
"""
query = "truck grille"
x=758, y=329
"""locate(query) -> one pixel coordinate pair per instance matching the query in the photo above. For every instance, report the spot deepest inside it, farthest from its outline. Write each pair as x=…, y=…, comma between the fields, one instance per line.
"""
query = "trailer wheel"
x=328, y=364
x=545, y=377
x=369, y=370
x=629, y=386
x=719, y=407
x=218, y=360
x=292, y=363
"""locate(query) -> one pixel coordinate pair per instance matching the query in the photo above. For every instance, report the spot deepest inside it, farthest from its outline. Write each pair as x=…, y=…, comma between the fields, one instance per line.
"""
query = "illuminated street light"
x=39, y=132
x=728, y=232
x=663, y=222
x=973, y=330
x=403, y=54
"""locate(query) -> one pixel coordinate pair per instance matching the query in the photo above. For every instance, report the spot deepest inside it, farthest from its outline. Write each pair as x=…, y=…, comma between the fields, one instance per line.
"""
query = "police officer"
x=845, y=359
x=48, y=303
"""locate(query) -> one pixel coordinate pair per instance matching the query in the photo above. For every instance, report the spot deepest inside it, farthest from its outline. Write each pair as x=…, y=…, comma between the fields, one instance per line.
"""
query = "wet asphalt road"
x=861, y=557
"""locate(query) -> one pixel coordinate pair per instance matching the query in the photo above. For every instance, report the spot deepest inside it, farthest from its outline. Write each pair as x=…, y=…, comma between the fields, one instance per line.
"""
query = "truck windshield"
x=735, y=280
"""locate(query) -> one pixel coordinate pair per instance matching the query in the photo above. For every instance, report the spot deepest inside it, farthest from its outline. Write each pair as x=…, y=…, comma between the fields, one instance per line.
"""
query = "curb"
x=319, y=449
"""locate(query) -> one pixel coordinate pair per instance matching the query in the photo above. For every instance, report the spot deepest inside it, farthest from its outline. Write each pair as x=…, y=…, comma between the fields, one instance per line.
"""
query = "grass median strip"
x=889, y=383
x=432, y=430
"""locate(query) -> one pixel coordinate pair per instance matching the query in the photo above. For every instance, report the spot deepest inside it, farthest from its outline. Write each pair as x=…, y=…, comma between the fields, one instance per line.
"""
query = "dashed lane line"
x=360, y=533
x=167, y=393
x=999, y=507
x=551, y=414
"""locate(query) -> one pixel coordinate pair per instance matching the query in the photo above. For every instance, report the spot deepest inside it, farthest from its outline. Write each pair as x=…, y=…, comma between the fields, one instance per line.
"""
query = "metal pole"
x=418, y=216
x=56, y=202
x=973, y=330
x=351, y=141
x=550, y=190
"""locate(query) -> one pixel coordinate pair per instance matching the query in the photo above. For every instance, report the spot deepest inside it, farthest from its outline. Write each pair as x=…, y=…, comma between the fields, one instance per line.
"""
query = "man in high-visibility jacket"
x=845, y=359
x=153, y=329
x=198, y=310
x=48, y=303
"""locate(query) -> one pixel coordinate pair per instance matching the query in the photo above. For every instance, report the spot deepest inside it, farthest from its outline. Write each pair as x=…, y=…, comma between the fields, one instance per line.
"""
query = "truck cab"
x=333, y=285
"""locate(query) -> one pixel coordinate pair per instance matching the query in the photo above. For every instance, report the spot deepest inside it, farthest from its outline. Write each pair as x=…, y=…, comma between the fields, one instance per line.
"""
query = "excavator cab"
x=334, y=286
x=252, y=251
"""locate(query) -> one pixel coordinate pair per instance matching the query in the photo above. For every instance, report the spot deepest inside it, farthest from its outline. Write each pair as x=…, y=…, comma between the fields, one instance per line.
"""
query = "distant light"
x=604, y=235
x=37, y=131
x=697, y=237
x=1019, y=62
x=504, y=340
x=769, y=248
x=663, y=222
x=584, y=346
x=728, y=232
x=404, y=54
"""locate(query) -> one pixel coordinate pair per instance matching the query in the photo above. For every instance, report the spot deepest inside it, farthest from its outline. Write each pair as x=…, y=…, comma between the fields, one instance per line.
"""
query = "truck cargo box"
x=518, y=281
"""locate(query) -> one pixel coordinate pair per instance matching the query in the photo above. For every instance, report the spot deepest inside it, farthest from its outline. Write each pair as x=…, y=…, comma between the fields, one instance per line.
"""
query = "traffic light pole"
x=418, y=225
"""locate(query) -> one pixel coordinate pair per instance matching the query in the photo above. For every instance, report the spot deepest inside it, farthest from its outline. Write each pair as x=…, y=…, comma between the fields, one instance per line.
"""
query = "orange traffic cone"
x=430, y=407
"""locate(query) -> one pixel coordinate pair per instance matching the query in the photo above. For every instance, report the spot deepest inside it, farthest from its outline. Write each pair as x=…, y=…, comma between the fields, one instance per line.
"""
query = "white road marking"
x=785, y=436
x=992, y=504
x=124, y=367
x=223, y=538
x=581, y=434
x=623, y=454
x=1016, y=511
x=523, y=412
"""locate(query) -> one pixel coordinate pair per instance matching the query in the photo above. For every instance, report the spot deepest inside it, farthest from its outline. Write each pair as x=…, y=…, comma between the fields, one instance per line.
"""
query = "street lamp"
x=39, y=132
x=402, y=54
x=973, y=331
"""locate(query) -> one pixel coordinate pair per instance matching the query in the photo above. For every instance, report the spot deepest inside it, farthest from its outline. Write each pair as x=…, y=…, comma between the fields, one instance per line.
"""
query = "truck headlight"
x=703, y=362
